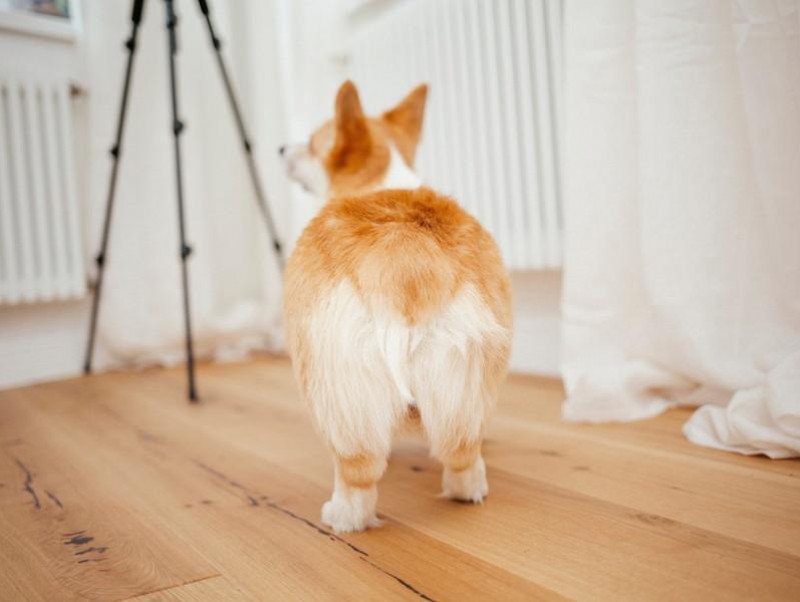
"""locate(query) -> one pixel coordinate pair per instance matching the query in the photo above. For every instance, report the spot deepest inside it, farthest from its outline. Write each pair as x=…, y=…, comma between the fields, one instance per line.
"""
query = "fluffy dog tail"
x=406, y=279
x=395, y=343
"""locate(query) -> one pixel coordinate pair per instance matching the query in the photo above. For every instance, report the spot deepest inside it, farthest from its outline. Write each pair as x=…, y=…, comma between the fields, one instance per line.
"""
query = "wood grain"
x=163, y=501
x=213, y=588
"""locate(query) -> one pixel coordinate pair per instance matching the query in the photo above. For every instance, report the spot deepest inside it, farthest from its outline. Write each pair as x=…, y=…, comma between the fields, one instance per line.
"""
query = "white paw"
x=466, y=485
x=353, y=512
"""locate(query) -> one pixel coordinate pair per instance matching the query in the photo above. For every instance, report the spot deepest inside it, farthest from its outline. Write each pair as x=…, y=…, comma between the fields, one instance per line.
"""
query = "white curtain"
x=682, y=176
x=235, y=283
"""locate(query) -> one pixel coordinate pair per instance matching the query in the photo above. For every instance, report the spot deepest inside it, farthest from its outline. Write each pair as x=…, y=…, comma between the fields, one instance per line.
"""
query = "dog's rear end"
x=397, y=304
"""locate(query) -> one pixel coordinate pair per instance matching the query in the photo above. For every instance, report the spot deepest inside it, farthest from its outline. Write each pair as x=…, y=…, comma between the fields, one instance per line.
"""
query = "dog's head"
x=352, y=153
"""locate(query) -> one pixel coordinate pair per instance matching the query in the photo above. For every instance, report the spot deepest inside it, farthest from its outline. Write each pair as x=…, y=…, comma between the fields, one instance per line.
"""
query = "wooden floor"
x=114, y=488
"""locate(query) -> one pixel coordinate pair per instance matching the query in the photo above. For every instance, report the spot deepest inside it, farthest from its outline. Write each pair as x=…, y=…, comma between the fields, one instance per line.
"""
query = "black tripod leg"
x=246, y=142
x=130, y=44
x=186, y=250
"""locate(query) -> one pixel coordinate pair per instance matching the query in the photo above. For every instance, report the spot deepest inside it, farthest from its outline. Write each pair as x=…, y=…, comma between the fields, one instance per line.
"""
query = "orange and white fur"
x=397, y=308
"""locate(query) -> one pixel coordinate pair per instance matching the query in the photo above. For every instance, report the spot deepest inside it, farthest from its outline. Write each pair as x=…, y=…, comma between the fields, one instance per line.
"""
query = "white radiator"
x=40, y=248
x=492, y=128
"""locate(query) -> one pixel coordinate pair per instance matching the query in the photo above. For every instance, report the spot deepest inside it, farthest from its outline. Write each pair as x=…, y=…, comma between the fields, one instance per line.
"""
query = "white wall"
x=536, y=348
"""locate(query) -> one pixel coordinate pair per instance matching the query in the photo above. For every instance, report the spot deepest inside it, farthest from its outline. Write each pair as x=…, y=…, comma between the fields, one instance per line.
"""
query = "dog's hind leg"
x=357, y=414
x=454, y=407
x=360, y=438
x=464, y=475
x=356, y=405
x=456, y=371
x=355, y=493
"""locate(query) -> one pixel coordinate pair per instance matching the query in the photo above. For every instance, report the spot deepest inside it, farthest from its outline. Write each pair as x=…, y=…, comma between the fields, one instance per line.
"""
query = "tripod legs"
x=100, y=259
x=185, y=249
x=177, y=128
x=246, y=143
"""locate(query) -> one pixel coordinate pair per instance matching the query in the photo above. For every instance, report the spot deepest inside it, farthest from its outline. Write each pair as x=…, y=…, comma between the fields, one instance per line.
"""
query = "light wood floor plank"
x=258, y=498
x=728, y=499
x=224, y=499
x=406, y=555
x=740, y=498
x=654, y=538
x=663, y=433
x=244, y=534
x=79, y=532
x=579, y=546
x=218, y=589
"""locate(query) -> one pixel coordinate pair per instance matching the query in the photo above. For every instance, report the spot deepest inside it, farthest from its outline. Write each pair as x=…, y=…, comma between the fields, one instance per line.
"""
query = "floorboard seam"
x=169, y=587
x=257, y=499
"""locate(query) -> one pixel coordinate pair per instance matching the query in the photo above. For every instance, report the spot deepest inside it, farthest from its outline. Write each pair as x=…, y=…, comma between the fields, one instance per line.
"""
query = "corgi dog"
x=397, y=308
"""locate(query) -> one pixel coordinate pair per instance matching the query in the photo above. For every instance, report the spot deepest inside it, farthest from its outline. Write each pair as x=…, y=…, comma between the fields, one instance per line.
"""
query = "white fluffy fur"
x=468, y=485
x=370, y=366
x=399, y=174
x=351, y=508
x=354, y=398
x=306, y=169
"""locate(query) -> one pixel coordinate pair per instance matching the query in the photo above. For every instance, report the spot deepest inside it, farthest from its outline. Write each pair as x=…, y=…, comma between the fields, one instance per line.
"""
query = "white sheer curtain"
x=682, y=171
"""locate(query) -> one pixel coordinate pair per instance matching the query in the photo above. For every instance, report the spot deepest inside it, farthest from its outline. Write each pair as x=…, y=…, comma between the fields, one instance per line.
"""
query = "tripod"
x=177, y=129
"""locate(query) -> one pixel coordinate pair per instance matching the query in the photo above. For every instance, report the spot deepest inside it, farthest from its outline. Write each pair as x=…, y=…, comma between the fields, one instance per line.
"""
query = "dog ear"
x=352, y=142
x=405, y=122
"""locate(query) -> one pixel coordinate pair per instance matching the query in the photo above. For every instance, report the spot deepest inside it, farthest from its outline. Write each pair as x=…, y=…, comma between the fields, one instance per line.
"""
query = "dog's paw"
x=466, y=485
x=348, y=516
